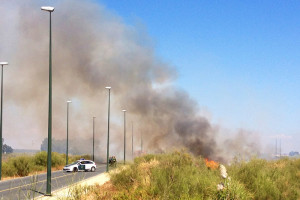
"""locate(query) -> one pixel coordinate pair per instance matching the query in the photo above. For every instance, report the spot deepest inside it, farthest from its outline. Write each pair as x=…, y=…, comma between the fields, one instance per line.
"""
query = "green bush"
x=40, y=158
x=179, y=175
x=269, y=179
x=22, y=164
x=8, y=169
x=78, y=157
x=57, y=159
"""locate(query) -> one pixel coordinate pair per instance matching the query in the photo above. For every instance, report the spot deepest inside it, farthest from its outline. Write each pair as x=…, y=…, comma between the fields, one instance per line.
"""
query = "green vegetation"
x=277, y=179
x=23, y=165
x=179, y=175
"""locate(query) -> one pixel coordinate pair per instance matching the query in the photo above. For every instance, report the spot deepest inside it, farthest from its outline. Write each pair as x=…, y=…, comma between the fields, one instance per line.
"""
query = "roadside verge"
x=65, y=192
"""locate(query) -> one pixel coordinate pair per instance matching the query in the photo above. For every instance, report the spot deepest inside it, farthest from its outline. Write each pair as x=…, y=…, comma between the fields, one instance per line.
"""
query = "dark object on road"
x=112, y=161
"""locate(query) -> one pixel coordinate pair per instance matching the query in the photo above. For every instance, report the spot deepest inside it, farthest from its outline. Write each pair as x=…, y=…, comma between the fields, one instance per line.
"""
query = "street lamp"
x=94, y=138
x=107, y=157
x=67, y=151
x=124, y=134
x=48, y=190
x=132, y=141
x=141, y=142
x=2, y=64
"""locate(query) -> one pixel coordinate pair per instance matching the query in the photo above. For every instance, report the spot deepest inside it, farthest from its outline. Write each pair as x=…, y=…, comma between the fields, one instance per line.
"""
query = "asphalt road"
x=33, y=186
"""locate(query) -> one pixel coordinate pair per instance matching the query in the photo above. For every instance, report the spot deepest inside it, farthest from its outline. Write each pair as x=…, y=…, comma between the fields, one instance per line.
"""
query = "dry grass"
x=179, y=175
x=53, y=169
x=19, y=165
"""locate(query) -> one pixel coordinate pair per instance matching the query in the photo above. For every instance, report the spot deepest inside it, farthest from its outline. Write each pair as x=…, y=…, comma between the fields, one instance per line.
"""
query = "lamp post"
x=67, y=150
x=48, y=190
x=107, y=157
x=94, y=138
x=2, y=64
x=124, y=135
x=132, y=141
x=141, y=142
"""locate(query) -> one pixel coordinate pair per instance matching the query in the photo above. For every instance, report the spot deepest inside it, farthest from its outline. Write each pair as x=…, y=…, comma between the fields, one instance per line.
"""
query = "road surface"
x=33, y=186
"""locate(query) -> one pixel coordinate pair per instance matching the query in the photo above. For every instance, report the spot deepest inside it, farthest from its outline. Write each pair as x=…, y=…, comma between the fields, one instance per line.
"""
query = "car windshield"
x=74, y=163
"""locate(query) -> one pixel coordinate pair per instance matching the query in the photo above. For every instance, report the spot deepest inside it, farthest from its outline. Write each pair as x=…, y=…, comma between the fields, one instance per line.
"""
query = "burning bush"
x=211, y=164
x=176, y=175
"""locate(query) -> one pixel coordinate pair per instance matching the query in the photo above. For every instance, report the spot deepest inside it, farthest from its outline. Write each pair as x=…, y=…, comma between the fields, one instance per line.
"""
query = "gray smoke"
x=92, y=49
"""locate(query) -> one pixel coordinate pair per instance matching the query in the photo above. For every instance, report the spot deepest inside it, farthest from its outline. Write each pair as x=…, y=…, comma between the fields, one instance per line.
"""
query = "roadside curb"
x=64, y=192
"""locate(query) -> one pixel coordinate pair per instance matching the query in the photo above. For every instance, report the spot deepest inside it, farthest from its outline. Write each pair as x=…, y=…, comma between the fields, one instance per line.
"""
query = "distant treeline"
x=75, y=147
x=6, y=148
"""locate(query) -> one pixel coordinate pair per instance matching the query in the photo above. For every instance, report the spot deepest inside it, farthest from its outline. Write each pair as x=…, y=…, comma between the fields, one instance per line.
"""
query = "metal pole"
x=1, y=121
x=132, y=141
x=67, y=150
x=48, y=191
x=276, y=148
x=141, y=142
x=280, y=147
x=94, y=138
x=107, y=157
x=124, y=136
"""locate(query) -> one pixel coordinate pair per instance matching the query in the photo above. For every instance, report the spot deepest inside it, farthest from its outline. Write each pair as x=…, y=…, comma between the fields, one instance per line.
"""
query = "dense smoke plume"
x=92, y=49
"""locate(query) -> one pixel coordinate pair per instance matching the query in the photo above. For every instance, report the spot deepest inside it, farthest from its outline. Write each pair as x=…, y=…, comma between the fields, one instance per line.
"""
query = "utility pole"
x=276, y=148
x=141, y=142
x=94, y=139
x=2, y=64
x=48, y=187
x=280, y=147
x=107, y=151
x=132, y=141
x=67, y=149
x=124, y=136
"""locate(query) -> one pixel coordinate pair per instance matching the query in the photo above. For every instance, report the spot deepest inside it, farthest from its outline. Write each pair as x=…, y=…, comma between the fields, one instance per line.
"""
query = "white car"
x=81, y=165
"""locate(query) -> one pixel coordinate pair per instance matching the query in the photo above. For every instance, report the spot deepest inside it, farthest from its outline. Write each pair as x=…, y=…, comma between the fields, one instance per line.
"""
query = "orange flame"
x=211, y=164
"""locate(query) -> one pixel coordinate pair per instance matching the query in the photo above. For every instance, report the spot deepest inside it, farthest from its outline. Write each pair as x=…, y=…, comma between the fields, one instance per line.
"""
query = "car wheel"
x=75, y=169
x=93, y=169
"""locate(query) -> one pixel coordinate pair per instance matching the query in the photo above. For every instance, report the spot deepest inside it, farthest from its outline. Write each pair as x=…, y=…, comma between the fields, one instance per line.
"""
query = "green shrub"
x=8, y=169
x=177, y=175
x=22, y=164
x=234, y=190
x=269, y=179
x=40, y=158
x=73, y=158
x=57, y=159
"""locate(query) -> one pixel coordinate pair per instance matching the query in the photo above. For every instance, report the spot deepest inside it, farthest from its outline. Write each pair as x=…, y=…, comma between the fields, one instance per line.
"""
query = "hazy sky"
x=238, y=59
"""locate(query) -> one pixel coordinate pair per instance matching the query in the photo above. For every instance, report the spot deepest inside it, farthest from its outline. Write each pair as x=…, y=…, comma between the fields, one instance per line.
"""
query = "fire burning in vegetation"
x=211, y=164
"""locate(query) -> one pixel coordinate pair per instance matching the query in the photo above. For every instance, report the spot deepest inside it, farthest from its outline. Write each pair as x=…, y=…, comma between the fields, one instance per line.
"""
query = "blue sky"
x=239, y=59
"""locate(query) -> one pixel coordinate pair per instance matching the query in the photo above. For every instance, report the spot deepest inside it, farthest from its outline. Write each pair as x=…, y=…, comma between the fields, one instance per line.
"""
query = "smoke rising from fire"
x=93, y=48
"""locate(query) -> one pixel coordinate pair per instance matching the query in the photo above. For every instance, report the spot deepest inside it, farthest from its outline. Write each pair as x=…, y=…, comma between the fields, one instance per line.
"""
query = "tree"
x=58, y=146
x=6, y=148
x=76, y=147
